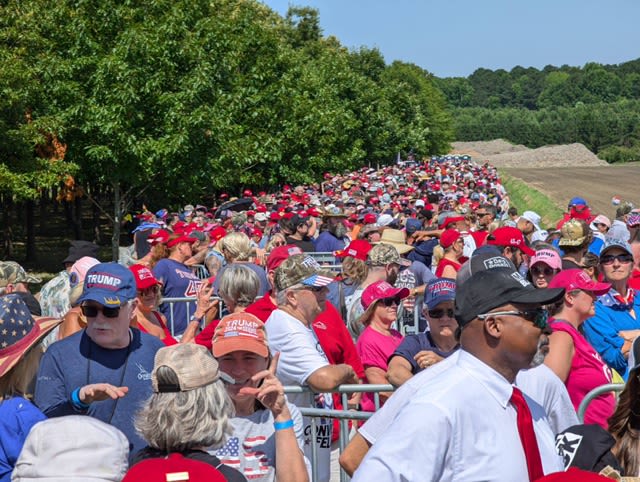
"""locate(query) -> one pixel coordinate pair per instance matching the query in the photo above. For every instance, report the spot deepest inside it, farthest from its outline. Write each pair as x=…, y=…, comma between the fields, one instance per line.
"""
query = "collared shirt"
x=459, y=426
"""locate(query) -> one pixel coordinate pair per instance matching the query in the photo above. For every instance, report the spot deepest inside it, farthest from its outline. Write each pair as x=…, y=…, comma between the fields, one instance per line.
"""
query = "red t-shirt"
x=634, y=280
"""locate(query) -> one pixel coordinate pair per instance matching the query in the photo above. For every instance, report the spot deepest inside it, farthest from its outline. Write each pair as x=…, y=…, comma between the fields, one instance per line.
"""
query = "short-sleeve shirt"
x=413, y=344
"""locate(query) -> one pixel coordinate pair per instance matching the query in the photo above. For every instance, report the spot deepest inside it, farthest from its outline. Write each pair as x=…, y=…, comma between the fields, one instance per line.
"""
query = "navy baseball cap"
x=438, y=291
x=109, y=284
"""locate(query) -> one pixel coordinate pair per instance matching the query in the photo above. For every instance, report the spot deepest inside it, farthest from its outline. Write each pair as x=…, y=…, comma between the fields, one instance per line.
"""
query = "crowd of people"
x=491, y=325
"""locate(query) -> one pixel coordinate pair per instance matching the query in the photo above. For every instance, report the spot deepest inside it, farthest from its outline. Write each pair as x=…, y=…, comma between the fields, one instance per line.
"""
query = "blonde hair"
x=240, y=284
x=236, y=247
x=354, y=269
x=16, y=382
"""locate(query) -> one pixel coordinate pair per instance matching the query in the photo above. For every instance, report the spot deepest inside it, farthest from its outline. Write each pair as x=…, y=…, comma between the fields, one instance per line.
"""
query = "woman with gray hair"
x=189, y=409
x=237, y=250
x=238, y=288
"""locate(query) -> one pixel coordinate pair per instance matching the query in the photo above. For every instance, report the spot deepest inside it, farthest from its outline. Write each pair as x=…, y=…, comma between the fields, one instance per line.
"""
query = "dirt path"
x=596, y=184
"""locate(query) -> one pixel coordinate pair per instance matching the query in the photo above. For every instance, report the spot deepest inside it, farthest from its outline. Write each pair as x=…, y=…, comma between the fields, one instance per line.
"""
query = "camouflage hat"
x=383, y=254
x=301, y=269
x=193, y=365
x=12, y=273
x=572, y=233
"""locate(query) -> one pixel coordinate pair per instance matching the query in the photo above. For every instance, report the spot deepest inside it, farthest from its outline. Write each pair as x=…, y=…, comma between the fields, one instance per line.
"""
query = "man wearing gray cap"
x=301, y=295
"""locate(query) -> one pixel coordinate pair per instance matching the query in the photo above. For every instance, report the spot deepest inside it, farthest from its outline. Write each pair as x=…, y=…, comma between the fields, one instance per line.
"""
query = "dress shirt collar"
x=495, y=384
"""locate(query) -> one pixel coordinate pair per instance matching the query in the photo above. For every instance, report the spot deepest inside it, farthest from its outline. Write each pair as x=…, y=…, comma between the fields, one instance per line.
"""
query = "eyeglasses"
x=91, y=311
x=538, y=317
x=437, y=314
x=389, y=302
x=610, y=258
x=150, y=290
x=537, y=271
x=481, y=214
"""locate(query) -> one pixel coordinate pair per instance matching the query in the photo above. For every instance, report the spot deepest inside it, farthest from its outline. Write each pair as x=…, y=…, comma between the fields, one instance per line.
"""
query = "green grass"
x=523, y=197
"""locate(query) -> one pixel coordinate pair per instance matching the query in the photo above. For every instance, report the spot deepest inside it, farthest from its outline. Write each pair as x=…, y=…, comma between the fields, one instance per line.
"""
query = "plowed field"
x=596, y=184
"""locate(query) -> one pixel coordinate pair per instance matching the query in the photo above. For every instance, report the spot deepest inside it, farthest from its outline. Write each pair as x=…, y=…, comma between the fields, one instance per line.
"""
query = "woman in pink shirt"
x=378, y=341
x=571, y=356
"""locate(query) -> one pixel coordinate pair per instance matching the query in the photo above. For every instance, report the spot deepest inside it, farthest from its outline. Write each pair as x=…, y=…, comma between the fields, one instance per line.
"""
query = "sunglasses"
x=481, y=214
x=389, y=302
x=610, y=258
x=537, y=271
x=91, y=311
x=538, y=317
x=150, y=290
x=437, y=314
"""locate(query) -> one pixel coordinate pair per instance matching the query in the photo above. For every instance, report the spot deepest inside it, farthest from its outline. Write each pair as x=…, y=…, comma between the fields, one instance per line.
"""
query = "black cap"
x=297, y=220
x=484, y=258
x=488, y=289
x=80, y=249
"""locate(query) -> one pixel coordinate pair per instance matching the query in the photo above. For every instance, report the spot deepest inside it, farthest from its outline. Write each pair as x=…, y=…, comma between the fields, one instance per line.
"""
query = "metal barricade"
x=589, y=397
x=191, y=308
x=326, y=259
x=343, y=415
x=200, y=270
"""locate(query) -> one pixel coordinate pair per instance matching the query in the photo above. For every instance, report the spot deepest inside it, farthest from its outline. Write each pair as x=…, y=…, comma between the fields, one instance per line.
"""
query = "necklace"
x=122, y=374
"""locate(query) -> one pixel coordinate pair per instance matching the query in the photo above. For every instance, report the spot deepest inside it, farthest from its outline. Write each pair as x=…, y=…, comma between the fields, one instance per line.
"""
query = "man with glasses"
x=466, y=420
x=485, y=215
x=512, y=244
x=301, y=291
x=103, y=371
x=617, y=320
x=420, y=351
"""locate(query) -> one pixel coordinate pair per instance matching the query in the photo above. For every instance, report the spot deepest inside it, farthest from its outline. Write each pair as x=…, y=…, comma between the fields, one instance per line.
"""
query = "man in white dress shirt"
x=460, y=424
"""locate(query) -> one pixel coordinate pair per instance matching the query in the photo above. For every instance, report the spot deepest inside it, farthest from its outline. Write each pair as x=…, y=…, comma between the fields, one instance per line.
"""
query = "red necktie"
x=527, y=435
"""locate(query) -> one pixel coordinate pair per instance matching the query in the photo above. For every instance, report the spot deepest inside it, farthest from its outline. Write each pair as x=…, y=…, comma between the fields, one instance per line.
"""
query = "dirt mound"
x=486, y=148
x=502, y=154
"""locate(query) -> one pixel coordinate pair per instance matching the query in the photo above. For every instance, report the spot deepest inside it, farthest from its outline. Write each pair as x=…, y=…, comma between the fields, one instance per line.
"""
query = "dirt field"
x=596, y=184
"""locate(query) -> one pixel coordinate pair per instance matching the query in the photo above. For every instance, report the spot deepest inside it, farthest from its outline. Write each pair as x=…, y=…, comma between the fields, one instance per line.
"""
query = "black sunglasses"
x=610, y=258
x=388, y=302
x=537, y=271
x=92, y=311
x=538, y=317
x=437, y=314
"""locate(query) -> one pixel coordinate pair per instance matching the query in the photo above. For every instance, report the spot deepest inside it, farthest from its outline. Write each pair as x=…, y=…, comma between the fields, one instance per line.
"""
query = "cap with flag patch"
x=301, y=269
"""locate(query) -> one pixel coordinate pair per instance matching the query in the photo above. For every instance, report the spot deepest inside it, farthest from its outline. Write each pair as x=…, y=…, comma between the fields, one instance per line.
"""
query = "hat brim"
x=401, y=247
x=321, y=278
x=239, y=343
x=15, y=353
x=612, y=246
x=538, y=296
x=108, y=300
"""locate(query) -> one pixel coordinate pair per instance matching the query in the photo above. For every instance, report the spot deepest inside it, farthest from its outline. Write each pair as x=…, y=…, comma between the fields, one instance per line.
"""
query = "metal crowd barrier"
x=191, y=308
x=610, y=387
x=343, y=415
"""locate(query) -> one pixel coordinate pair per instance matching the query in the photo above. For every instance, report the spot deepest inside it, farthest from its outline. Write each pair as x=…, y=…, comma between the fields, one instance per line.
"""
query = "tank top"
x=587, y=372
x=446, y=262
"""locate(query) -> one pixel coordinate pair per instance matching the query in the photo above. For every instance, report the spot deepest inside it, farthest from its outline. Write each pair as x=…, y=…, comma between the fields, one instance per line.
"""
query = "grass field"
x=524, y=197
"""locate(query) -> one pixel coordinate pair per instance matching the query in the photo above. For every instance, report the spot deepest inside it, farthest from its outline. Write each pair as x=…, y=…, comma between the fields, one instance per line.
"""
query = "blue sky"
x=455, y=37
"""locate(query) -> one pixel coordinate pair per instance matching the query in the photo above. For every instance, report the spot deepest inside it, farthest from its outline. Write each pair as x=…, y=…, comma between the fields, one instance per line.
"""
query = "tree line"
x=163, y=101
x=596, y=105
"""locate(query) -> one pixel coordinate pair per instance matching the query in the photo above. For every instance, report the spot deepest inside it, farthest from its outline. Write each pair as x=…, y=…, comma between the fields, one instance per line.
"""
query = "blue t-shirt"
x=17, y=416
x=77, y=361
x=413, y=344
x=179, y=281
x=327, y=243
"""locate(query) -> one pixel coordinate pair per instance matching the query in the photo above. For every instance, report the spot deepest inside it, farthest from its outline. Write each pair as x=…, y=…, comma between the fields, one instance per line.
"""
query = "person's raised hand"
x=97, y=392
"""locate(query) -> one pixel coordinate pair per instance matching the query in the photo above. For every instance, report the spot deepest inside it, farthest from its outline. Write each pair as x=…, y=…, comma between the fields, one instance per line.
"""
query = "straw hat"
x=395, y=238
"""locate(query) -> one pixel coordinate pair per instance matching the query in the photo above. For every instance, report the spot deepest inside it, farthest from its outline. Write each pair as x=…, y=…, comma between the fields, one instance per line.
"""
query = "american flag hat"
x=19, y=331
x=301, y=269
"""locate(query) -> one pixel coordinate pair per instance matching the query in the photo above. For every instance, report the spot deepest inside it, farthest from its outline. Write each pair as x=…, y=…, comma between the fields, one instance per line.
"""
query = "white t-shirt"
x=453, y=422
x=300, y=356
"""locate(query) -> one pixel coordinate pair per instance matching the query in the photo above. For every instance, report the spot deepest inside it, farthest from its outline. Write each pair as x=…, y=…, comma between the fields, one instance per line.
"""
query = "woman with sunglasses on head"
x=378, y=341
x=616, y=322
x=570, y=356
x=544, y=265
x=420, y=351
x=146, y=316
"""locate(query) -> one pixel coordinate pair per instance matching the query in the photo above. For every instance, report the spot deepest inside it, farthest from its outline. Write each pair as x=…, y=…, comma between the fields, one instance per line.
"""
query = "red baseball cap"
x=240, y=332
x=247, y=193
x=358, y=248
x=279, y=254
x=448, y=237
x=577, y=279
x=509, y=236
x=183, y=238
x=370, y=218
x=161, y=236
x=175, y=467
x=144, y=276
x=450, y=220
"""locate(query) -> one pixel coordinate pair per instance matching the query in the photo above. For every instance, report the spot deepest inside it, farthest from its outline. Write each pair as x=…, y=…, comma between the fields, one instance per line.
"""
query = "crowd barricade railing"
x=344, y=416
x=191, y=308
x=200, y=270
x=589, y=397
x=326, y=259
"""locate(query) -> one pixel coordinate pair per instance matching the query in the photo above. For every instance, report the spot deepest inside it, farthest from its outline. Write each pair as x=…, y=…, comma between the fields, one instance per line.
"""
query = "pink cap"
x=379, y=291
x=79, y=270
x=576, y=279
x=547, y=256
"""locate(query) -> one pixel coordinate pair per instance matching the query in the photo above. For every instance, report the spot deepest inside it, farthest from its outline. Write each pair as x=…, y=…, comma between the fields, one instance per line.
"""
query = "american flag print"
x=253, y=463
